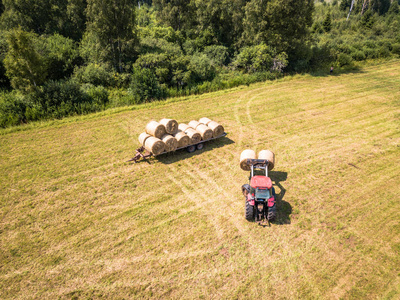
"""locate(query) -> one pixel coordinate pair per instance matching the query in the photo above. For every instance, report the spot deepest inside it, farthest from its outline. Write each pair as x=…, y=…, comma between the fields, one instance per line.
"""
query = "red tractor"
x=260, y=199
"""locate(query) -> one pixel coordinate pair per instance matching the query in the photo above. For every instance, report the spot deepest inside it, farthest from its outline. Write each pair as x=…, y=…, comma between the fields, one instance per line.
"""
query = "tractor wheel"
x=249, y=212
x=191, y=149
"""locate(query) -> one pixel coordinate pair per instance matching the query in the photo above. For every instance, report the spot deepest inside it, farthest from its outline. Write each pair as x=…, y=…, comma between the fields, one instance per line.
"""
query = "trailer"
x=142, y=153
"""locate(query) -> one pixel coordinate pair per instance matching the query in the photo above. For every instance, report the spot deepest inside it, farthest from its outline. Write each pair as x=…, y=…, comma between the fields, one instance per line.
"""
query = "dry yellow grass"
x=77, y=221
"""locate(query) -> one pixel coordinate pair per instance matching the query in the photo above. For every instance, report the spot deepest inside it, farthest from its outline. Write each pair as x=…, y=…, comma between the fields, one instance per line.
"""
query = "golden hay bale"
x=170, y=142
x=182, y=138
x=171, y=126
x=205, y=132
x=269, y=155
x=194, y=124
x=155, y=129
x=142, y=137
x=154, y=145
x=183, y=127
x=205, y=121
x=246, y=154
x=195, y=137
x=216, y=128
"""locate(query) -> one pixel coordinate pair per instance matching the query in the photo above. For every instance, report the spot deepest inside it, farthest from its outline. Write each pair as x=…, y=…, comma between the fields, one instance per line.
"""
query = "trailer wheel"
x=191, y=148
x=200, y=146
x=249, y=212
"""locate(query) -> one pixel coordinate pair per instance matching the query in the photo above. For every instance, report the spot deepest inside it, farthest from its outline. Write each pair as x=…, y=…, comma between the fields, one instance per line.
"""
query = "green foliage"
x=25, y=66
x=327, y=24
x=344, y=59
x=201, y=68
x=12, y=109
x=218, y=54
x=60, y=55
x=260, y=58
x=96, y=74
x=113, y=21
x=145, y=86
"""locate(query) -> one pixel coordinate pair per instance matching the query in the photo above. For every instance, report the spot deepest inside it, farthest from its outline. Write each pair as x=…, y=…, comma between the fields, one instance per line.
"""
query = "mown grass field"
x=79, y=222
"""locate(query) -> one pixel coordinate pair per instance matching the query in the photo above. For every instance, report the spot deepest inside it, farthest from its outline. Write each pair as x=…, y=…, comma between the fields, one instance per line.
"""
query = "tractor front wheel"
x=249, y=211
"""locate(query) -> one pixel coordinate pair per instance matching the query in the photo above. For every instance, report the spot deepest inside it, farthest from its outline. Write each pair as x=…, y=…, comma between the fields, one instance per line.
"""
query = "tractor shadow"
x=284, y=209
x=182, y=154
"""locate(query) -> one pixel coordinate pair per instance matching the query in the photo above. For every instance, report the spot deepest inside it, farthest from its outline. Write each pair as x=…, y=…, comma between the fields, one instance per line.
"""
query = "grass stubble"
x=78, y=221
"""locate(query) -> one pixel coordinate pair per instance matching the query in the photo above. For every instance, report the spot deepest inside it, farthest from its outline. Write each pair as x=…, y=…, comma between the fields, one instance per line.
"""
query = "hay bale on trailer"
x=154, y=145
x=205, y=132
x=244, y=156
x=194, y=136
x=205, y=121
x=268, y=155
x=155, y=129
x=182, y=139
x=171, y=126
x=170, y=142
x=216, y=128
x=143, y=137
x=183, y=127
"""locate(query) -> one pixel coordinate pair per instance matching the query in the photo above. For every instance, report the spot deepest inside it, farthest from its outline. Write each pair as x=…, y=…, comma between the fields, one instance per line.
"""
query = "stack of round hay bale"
x=159, y=136
x=250, y=154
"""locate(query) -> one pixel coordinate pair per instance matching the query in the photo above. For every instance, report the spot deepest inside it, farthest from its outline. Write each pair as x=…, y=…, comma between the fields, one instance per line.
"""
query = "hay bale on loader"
x=171, y=126
x=155, y=129
x=183, y=127
x=182, y=139
x=154, y=145
x=268, y=155
x=170, y=142
x=244, y=156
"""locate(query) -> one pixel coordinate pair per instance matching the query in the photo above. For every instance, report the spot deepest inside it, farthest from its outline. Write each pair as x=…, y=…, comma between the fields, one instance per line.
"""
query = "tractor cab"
x=260, y=187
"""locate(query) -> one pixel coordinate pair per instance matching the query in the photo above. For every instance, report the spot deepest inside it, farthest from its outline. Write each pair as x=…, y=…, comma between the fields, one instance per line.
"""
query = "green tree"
x=113, y=22
x=282, y=24
x=327, y=23
x=179, y=14
x=25, y=66
x=45, y=16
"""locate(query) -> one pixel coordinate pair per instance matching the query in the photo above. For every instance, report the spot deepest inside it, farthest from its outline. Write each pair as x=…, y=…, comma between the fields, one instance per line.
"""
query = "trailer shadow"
x=182, y=154
x=284, y=209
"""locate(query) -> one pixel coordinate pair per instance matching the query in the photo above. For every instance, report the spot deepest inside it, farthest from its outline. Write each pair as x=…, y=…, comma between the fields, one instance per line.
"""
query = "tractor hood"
x=261, y=182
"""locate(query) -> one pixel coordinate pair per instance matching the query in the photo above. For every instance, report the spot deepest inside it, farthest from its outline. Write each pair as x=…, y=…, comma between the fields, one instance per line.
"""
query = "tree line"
x=63, y=57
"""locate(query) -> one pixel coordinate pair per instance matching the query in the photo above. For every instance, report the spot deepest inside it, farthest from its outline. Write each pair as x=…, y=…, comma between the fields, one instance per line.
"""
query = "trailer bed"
x=143, y=153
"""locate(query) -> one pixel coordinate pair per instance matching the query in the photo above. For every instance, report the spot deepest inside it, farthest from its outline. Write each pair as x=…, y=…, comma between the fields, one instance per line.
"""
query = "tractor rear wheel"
x=249, y=211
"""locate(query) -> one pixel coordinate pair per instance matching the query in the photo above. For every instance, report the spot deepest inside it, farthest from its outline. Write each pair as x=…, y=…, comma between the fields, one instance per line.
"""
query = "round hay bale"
x=205, y=121
x=170, y=142
x=246, y=154
x=205, y=132
x=143, y=137
x=182, y=138
x=171, y=126
x=154, y=145
x=183, y=127
x=269, y=155
x=194, y=136
x=155, y=129
x=217, y=129
x=194, y=124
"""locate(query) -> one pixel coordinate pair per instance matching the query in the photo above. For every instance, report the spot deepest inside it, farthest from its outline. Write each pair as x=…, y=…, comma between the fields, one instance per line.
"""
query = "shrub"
x=93, y=73
x=62, y=98
x=344, y=59
x=201, y=68
x=218, y=54
x=12, y=109
x=145, y=86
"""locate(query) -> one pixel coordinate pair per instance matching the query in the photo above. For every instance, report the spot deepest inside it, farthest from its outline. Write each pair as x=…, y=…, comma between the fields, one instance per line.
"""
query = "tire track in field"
x=194, y=197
